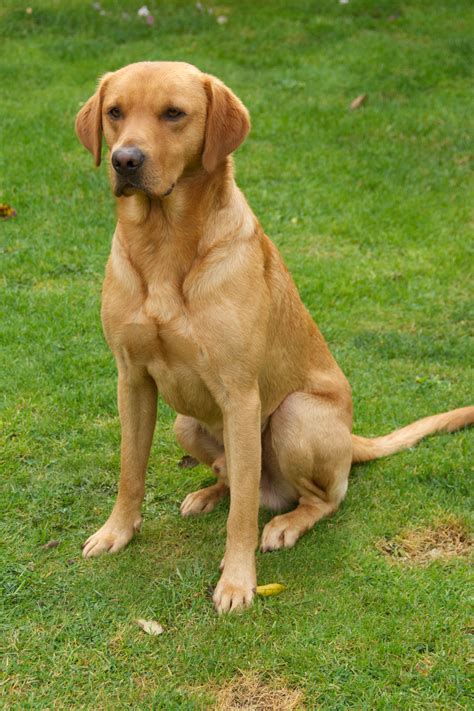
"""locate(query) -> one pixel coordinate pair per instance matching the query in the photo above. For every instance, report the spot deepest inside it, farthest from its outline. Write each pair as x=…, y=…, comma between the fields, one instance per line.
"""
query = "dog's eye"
x=114, y=113
x=173, y=114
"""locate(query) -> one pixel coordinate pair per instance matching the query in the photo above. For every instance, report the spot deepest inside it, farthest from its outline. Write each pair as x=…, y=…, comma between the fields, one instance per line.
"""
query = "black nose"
x=127, y=160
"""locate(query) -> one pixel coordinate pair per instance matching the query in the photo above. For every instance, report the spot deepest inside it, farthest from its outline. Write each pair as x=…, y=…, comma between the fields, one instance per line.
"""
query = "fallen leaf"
x=358, y=101
x=150, y=626
x=51, y=544
x=6, y=211
x=270, y=589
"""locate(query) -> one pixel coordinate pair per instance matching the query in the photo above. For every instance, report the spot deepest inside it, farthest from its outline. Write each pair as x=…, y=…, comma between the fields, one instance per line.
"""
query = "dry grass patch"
x=425, y=665
x=14, y=687
x=250, y=692
x=443, y=541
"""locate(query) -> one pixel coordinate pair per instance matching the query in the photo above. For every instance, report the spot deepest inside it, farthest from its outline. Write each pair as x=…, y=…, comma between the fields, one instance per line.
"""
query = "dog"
x=198, y=306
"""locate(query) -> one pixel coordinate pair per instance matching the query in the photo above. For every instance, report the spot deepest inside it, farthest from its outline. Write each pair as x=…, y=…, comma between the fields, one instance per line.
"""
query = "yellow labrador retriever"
x=198, y=306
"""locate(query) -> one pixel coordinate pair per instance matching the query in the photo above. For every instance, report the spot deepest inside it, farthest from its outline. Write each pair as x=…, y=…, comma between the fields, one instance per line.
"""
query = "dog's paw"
x=111, y=538
x=280, y=532
x=203, y=501
x=232, y=596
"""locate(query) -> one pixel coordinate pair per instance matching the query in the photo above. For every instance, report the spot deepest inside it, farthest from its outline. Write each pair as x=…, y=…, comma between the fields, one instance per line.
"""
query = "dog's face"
x=161, y=121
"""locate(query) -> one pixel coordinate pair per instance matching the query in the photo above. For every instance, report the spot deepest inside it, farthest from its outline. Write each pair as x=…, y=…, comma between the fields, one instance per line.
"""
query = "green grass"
x=372, y=211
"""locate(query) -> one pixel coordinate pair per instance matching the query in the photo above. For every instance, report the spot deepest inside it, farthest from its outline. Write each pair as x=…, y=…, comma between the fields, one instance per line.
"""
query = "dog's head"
x=161, y=121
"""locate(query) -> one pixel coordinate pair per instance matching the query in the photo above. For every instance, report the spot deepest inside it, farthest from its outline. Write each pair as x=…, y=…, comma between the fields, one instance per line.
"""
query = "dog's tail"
x=364, y=449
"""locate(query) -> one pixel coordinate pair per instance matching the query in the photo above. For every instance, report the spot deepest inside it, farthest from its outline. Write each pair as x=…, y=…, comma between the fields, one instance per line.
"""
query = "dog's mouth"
x=126, y=188
x=170, y=190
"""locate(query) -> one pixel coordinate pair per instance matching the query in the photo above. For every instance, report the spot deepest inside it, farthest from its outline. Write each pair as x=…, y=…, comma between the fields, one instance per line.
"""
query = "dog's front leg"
x=137, y=397
x=242, y=442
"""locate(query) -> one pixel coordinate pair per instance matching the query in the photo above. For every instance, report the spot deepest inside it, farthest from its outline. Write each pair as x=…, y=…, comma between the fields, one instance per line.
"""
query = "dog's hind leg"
x=311, y=453
x=193, y=438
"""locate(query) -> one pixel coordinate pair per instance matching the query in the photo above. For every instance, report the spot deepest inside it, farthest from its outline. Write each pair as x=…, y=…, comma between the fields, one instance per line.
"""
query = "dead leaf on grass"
x=6, y=211
x=358, y=101
x=270, y=589
x=51, y=544
x=422, y=546
x=150, y=626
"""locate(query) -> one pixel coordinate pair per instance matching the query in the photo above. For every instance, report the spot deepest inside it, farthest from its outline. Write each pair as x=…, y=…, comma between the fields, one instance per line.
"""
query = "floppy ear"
x=227, y=123
x=89, y=122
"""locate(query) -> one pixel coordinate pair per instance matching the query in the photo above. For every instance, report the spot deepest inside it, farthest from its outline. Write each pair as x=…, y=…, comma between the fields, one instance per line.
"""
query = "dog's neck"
x=203, y=209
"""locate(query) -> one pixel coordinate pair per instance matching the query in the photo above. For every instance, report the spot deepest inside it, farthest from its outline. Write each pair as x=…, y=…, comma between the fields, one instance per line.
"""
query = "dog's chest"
x=156, y=332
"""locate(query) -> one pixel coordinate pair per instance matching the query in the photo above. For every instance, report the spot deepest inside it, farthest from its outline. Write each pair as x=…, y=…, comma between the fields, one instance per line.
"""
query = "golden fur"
x=198, y=306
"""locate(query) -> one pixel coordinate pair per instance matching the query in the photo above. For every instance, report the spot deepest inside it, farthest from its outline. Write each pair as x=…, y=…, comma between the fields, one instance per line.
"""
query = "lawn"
x=372, y=211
